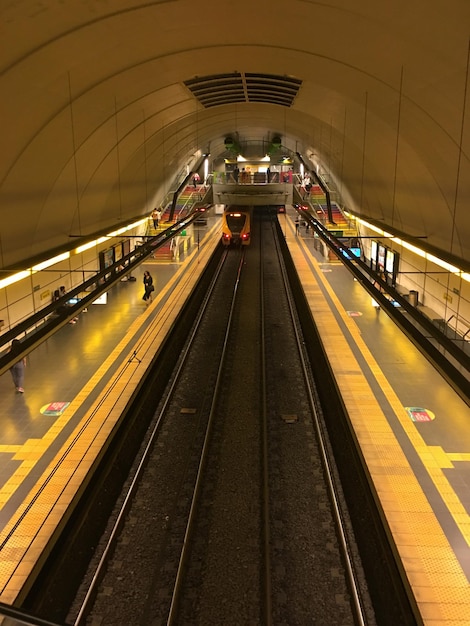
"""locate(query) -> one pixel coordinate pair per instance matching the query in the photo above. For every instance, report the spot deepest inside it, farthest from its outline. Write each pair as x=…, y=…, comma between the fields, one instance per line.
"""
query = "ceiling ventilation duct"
x=219, y=89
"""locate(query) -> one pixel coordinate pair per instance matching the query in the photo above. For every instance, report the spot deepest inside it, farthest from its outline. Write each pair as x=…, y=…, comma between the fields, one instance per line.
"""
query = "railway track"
x=230, y=518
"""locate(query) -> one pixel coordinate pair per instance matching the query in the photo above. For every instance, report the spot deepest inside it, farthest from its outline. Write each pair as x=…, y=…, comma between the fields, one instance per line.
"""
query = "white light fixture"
x=414, y=249
x=49, y=262
x=5, y=282
x=86, y=246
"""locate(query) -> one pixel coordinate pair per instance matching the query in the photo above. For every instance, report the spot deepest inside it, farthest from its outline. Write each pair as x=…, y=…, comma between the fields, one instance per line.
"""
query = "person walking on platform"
x=17, y=370
x=236, y=173
x=148, y=286
x=297, y=224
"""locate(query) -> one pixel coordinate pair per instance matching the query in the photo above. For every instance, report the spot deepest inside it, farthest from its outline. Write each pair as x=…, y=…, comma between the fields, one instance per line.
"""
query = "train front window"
x=235, y=221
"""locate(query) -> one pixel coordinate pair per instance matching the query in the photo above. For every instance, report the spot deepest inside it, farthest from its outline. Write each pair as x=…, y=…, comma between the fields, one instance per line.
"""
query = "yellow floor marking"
x=439, y=584
x=10, y=449
x=28, y=531
x=458, y=456
x=33, y=449
x=426, y=453
x=441, y=458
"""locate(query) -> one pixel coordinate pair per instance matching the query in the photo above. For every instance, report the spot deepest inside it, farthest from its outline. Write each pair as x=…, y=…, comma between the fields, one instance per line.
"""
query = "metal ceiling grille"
x=244, y=87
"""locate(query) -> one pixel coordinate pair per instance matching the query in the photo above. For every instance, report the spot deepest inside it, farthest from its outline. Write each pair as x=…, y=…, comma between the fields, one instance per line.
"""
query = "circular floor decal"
x=54, y=408
x=419, y=414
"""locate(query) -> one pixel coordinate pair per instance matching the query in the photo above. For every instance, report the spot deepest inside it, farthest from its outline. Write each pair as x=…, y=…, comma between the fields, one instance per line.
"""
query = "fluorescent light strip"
x=5, y=282
x=418, y=251
x=49, y=262
x=14, y=278
x=115, y=233
x=86, y=246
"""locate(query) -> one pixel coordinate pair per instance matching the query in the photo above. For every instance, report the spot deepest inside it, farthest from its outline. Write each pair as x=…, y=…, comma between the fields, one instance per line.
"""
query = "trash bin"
x=413, y=298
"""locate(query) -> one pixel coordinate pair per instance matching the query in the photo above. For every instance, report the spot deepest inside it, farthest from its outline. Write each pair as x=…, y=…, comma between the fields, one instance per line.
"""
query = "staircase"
x=340, y=223
x=186, y=201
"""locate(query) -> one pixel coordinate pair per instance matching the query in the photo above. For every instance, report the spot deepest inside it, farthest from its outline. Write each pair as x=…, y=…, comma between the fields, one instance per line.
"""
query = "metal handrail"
x=17, y=617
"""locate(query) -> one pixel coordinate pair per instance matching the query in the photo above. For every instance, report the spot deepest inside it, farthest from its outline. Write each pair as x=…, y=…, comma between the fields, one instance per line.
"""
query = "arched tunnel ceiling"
x=98, y=114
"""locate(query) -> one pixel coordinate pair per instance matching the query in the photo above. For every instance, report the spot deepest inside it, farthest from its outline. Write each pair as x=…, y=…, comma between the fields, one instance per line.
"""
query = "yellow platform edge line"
x=433, y=563
x=52, y=504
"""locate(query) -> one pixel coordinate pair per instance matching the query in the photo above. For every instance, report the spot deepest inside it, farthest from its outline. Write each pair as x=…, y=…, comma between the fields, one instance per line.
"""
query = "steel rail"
x=358, y=605
x=267, y=586
x=80, y=619
x=173, y=610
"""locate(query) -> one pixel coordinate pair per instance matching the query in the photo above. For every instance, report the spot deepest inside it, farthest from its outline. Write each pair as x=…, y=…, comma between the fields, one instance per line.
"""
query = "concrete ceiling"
x=97, y=119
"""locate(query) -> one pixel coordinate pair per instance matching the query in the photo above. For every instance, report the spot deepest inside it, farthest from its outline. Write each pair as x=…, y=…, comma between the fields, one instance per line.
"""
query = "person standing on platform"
x=63, y=309
x=297, y=224
x=236, y=173
x=148, y=287
x=17, y=370
x=379, y=288
x=268, y=175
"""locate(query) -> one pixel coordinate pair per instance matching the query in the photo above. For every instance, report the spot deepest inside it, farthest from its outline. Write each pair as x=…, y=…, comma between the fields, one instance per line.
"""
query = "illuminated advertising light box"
x=390, y=261
x=373, y=253
x=391, y=265
x=108, y=257
x=381, y=256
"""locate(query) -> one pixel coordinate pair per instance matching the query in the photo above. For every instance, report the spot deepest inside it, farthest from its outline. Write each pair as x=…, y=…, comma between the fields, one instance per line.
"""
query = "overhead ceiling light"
x=49, y=262
x=14, y=278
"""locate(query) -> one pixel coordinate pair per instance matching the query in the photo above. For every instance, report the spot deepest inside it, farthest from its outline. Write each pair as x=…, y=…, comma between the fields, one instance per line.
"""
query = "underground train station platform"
x=412, y=427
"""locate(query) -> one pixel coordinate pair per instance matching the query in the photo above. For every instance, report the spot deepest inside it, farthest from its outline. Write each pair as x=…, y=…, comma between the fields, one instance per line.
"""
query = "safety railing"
x=10, y=616
x=460, y=326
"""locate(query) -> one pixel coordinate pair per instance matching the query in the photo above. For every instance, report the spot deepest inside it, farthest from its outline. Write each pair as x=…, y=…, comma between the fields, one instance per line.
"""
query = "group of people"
x=242, y=176
x=245, y=176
